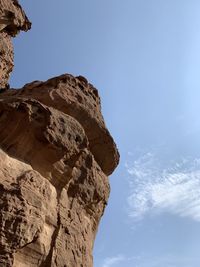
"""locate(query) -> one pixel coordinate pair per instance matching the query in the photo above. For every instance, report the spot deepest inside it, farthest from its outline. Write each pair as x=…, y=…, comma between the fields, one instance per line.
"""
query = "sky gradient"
x=144, y=58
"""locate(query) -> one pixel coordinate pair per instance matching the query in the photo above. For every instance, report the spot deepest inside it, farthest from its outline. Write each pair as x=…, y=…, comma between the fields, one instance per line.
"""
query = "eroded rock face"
x=55, y=158
x=54, y=183
x=12, y=20
x=79, y=99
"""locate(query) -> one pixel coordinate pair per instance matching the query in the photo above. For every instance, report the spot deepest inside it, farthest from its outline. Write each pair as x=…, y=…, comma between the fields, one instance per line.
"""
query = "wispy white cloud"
x=112, y=261
x=154, y=189
x=151, y=261
x=167, y=261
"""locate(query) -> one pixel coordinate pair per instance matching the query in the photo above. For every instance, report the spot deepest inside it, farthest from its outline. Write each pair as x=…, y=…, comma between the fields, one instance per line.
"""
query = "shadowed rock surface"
x=55, y=157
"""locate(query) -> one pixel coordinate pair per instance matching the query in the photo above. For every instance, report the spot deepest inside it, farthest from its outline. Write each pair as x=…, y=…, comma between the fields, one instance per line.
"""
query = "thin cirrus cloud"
x=150, y=261
x=112, y=261
x=154, y=189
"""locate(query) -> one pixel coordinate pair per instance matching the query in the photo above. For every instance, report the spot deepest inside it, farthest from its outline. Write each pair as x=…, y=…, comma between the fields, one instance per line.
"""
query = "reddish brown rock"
x=55, y=179
x=55, y=156
x=12, y=20
x=6, y=59
x=79, y=99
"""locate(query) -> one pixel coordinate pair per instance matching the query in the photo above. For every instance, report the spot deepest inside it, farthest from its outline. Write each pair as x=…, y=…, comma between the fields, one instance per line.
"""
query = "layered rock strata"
x=55, y=157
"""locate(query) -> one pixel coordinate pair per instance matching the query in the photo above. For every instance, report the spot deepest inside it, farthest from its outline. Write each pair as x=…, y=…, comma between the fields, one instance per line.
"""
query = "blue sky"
x=143, y=56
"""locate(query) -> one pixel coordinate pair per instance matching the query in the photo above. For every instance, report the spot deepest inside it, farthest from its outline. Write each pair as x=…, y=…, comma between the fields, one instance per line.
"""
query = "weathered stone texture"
x=55, y=190
x=12, y=20
x=55, y=158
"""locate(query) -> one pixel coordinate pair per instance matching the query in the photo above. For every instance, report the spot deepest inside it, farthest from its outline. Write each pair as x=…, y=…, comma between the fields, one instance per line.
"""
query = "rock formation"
x=12, y=20
x=55, y=158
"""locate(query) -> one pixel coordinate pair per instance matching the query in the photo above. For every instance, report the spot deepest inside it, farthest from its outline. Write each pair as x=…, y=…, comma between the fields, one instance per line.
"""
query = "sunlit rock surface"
x=55, y=157
x=12, y=20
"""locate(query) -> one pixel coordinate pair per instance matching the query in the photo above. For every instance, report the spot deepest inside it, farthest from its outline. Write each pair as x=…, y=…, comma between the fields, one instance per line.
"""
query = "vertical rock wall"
x=55, y=158
x=12, y=20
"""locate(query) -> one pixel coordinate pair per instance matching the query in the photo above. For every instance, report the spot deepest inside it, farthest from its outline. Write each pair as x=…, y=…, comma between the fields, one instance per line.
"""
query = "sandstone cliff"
x=55, y=158
x=12, y=20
